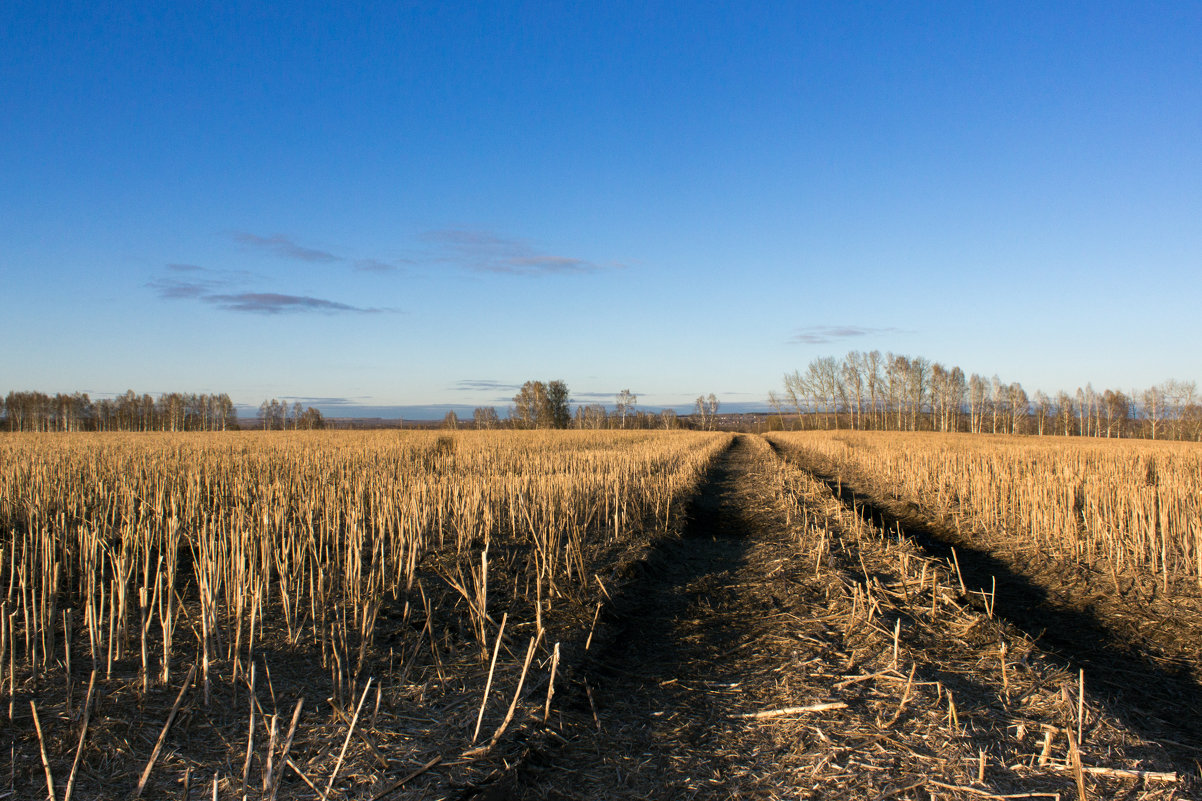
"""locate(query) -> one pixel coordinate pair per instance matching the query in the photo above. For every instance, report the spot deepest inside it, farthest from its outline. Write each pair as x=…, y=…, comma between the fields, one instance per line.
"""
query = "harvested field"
x=1136, y=633
x=654, y=616
x=169, y=601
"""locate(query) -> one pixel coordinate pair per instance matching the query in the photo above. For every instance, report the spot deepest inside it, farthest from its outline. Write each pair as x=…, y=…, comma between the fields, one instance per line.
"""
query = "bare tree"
x=624, y=403
x=917, y=382
x=1178, y=396
x=774, y=402
x=1018, y=406
x=529, y=405
x=1116, y=407
x=1154, y=408
x=797, y=390
x=1065, y=413
x=591, y=416
x=997, y=402
x=822, y=383
x=853, y=380
x=873, y=380
x=1043, y=411
x=977, y=391
x=956, y=390
x=485, y=417
x=897, y=369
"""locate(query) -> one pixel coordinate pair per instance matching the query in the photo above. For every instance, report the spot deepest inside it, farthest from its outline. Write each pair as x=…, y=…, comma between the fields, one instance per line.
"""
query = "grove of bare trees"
x=897, y=392
x=275, y=415
x=174, y=411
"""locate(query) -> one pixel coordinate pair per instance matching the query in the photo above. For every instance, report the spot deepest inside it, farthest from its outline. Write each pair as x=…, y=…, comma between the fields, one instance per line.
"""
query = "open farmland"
x=558, y=616
x=302, y=565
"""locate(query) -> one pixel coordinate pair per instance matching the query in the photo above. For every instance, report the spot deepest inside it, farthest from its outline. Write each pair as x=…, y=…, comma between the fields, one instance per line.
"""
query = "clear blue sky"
x=422, y=204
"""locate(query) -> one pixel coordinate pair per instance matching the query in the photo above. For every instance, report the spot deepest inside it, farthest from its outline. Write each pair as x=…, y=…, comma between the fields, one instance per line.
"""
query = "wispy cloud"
x=373, y=266
x=590, y=397
x=470, y=249
x=224, y=289
x=310, y=401
x=171, y=289
x=483, y=385
x=275, y=303
x=195, y=281
x=487, y=252
x=823, y=334
x=286, y=248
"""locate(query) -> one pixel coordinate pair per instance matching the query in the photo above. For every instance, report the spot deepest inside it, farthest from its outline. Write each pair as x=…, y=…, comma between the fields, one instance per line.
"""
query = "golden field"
x=1134, y=503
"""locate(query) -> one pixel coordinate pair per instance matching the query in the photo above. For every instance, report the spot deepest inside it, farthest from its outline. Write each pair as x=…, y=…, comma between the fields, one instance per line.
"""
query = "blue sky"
x=407, y=205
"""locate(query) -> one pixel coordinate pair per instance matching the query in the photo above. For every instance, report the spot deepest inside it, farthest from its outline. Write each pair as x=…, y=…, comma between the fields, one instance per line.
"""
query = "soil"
x=788, y=642
x=1139, y=645
x=778, y=596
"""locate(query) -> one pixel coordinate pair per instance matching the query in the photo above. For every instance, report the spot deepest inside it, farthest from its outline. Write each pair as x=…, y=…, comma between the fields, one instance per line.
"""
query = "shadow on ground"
x=635, y=727
x=1160, y=703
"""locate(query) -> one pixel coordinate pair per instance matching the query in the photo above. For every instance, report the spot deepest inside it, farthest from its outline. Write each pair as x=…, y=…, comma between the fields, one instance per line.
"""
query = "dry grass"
x=1133, y=503
x=139, y=556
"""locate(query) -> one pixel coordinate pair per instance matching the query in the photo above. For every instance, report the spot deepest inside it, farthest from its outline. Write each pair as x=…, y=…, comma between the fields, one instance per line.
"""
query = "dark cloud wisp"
x=286, y=248
x=312, y=401
x=487, y=252
x=823, y=334
x=276, y=303
x=220, y=288
x=483, y=385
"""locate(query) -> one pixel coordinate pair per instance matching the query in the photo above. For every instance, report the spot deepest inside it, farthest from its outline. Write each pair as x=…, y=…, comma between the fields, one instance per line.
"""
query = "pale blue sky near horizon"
x=410, y=205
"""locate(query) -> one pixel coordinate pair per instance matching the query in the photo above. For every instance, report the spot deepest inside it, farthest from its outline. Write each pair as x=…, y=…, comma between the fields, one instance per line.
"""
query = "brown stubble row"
x=1135, y=504
x=167, y=551
x=979, y=707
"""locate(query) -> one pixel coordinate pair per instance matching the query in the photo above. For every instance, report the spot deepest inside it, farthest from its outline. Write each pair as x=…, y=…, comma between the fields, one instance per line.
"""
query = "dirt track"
x=777, y=596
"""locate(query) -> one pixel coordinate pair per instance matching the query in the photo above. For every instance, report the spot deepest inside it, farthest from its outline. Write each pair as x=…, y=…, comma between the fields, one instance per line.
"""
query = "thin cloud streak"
x=373, y=266
x=170, y=289
x=824, y=334
x=356, y=401
x=595, y=396
x=482, y=385
x=486, y=252
x=286, y=248
x=216, y=291
x=473, y=250
x=276, y=303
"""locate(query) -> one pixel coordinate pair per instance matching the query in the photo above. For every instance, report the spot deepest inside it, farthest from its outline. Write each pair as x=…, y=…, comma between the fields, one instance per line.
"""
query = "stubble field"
x=598, y=614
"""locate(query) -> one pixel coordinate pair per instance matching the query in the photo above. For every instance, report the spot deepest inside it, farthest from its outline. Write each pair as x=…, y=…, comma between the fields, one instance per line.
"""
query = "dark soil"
x=1138, y=646
x=777, y=596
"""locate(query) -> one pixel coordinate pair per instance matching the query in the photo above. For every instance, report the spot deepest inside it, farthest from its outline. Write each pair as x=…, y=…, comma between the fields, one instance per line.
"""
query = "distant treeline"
x=894, y=392
x=548, y=405
x=171, y=411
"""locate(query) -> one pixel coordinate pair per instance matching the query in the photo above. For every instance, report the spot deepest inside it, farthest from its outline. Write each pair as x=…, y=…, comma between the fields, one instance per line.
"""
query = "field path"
x=775, y=598
x=673, y=665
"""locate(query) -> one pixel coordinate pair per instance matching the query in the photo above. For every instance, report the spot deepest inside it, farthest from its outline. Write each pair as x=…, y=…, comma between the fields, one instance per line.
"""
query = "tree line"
x=897, y=392
x=549, y=405
x=171, y=411
x=275, y=415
